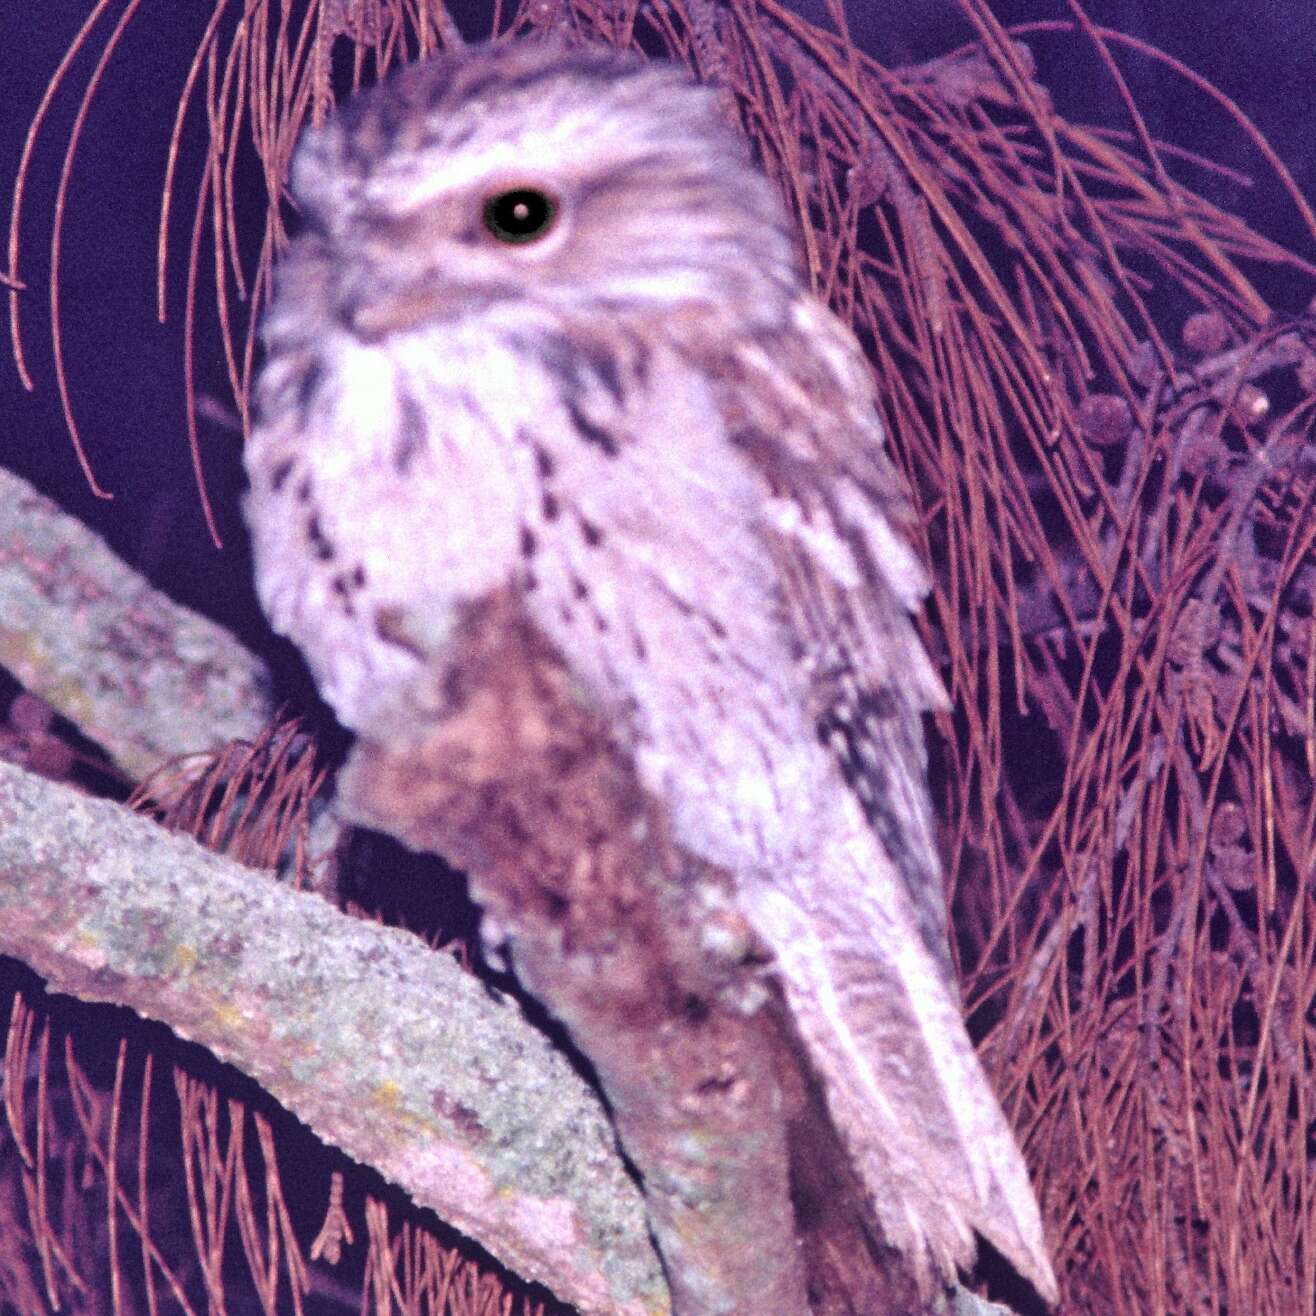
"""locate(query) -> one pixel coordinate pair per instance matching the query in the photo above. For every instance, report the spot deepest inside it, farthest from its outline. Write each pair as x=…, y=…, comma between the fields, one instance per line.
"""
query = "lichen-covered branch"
x=143, y=676
x=386, y=1048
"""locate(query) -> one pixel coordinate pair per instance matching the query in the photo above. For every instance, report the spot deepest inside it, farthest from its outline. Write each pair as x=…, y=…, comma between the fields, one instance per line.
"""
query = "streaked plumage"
x=646, y=423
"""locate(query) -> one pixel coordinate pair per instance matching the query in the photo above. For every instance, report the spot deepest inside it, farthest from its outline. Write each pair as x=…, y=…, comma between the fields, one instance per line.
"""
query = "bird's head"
x=581, y=181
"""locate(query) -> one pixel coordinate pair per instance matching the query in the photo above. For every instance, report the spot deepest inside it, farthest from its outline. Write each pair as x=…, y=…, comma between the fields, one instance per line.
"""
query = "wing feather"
x=862, y=943
x=802, y=410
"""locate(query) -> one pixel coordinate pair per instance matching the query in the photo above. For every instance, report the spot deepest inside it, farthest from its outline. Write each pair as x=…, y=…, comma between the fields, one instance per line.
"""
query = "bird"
x=545, y=329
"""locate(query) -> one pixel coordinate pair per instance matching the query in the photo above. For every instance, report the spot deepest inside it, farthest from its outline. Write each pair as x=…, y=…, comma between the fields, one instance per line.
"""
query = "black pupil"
x=519, y=215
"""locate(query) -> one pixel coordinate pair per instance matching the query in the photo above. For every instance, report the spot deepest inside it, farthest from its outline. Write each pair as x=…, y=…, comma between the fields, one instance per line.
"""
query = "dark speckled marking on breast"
x=590, y=432
x=319, y=541
x=411, y=432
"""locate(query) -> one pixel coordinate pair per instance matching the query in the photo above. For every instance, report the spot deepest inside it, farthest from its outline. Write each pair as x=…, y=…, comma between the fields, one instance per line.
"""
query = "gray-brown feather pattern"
x=870, y=682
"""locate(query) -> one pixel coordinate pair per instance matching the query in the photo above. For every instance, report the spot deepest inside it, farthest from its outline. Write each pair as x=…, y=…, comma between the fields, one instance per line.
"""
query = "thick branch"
x=139, y=674
x=383, y=1046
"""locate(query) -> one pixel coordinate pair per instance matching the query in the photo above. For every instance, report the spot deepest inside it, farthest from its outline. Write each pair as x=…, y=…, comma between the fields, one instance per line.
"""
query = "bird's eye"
x=519, y=215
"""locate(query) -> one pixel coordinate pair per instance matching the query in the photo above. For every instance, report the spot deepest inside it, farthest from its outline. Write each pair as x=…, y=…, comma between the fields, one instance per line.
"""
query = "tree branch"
x=383, y=1046
x=141, y=675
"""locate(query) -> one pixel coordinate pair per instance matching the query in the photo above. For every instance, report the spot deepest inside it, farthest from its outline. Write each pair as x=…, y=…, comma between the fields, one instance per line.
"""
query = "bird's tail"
x=885, y=1034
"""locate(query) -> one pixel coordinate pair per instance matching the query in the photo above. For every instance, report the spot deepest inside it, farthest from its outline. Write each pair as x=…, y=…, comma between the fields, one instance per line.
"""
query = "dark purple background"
x=125, y=369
